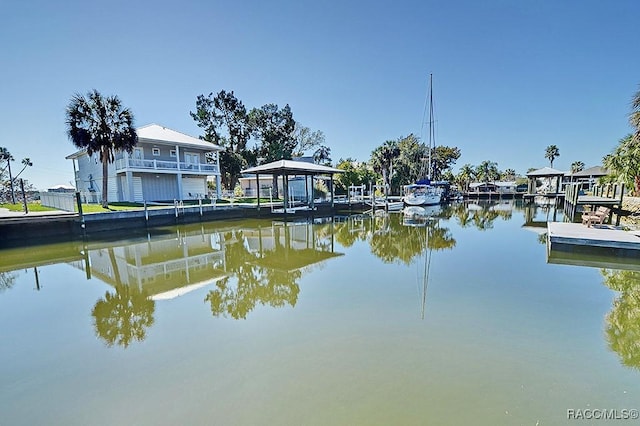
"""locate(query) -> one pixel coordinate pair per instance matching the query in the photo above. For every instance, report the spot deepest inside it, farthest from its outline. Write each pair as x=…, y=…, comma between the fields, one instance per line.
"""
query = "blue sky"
x=510, y=77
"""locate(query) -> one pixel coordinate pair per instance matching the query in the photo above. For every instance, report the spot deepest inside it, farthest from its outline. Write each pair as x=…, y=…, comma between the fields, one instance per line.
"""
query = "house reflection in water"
x=256, y=263
x=162, y=268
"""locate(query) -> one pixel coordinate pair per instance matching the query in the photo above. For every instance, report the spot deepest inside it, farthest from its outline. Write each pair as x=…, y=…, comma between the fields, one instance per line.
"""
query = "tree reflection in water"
x=261, y=277
x=123, y=317
x=623, y=322
x=7, y=280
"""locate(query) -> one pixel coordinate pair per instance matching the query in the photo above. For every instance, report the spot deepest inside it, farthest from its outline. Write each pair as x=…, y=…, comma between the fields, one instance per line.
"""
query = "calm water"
x=359, y=320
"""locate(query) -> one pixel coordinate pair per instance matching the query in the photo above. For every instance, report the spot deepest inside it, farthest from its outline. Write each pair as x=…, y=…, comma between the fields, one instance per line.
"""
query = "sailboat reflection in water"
x=432, y=237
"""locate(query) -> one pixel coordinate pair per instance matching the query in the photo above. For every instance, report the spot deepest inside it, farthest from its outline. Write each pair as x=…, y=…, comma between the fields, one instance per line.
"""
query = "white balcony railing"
x=159, y=165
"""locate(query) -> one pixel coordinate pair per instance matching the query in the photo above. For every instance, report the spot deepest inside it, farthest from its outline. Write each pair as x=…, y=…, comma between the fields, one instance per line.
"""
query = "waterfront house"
x=165, y=165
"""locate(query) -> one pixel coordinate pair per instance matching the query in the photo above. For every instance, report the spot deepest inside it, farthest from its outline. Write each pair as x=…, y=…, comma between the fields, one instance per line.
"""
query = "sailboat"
x=422, y=193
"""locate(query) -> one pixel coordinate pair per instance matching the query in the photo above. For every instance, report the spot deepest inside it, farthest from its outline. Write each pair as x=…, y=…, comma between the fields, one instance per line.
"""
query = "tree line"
x=104, y=126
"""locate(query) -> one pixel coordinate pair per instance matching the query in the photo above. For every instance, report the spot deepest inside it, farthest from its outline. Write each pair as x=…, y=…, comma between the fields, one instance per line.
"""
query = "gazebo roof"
x=545, y=171
x=291, y=167
x=591, y=171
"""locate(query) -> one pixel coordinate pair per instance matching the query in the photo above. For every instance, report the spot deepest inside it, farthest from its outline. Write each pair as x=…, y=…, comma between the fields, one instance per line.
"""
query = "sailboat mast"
x=431, y=132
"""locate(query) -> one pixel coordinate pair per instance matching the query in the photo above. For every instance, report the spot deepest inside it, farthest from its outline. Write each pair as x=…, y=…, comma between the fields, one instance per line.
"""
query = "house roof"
x=291, y=167
x=157, y=134
x=160, y=134
x=545, y=171
x=591, y=171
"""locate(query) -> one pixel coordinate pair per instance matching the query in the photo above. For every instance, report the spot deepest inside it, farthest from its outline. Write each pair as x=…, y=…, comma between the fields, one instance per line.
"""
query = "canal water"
x=456, y=319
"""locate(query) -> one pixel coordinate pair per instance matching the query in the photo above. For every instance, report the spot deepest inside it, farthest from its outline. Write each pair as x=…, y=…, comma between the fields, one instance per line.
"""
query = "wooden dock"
x=579, y=235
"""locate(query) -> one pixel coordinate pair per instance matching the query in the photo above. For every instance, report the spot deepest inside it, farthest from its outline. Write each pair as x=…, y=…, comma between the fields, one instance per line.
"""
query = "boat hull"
x=422, y=195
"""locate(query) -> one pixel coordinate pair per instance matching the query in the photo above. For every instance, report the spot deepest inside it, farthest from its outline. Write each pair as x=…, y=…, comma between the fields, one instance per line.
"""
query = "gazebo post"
x=285, y=187
x=332, y=203
x=258, y=190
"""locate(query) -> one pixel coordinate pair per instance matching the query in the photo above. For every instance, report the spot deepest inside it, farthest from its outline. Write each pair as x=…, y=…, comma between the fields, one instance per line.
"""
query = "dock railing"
x=609, y=195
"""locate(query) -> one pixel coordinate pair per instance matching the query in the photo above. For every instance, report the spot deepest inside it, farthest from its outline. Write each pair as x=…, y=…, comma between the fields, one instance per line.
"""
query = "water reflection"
x=7, y=280
x=265, y=263
x=623, y=322
x=123, y=317
x=391, y=239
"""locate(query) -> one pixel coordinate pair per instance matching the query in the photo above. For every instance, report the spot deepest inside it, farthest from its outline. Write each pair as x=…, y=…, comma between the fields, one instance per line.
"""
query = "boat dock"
x=608, y=196
x=574, y=235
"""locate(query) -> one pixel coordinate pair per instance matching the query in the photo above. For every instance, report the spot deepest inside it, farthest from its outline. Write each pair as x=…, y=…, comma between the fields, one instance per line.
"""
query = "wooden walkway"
x=577, y=234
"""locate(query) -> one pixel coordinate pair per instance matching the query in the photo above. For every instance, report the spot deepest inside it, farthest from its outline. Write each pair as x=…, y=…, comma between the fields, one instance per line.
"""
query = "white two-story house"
x=165, y=165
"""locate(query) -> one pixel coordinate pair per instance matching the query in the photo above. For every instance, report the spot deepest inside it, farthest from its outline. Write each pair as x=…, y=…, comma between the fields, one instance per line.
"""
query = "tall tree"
x=487, y=171
x=382, y=160
x=307, y=140
x=624, y=162
x=442, y=159
x=322, y=155
x=5, y=155
x=508, y=174
x=407, y=165
x=634, y=117
x=577, y=166
x=551, y=153
x=225, y=122
x=274, y=128
x=26, y=162
x=101, y=125
x=466, y=174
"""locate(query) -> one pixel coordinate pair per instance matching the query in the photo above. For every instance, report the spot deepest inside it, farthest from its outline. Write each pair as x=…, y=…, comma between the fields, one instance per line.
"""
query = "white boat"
x=420, y=194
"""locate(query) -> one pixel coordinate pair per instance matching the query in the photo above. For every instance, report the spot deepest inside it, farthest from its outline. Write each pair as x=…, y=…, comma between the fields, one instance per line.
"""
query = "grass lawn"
x=33, y=207
x=254, y=201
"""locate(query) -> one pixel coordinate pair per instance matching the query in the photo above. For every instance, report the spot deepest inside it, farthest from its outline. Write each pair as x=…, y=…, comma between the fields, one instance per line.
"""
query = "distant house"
x=588, y=177
x=165, y=165
x=497, y=187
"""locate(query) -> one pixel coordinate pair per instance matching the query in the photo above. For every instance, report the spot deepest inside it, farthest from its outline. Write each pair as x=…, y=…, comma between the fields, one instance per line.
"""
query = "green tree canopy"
x=577, y=166
x=226, y=123
x=487, y=171
x=383, y=158
x=623, y=164
x=101, y=125
x=442, y=159
x=274, y=127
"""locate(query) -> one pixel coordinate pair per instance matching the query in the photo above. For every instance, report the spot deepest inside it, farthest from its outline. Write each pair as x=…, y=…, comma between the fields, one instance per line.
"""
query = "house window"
x=172, y=153
x=156, y=151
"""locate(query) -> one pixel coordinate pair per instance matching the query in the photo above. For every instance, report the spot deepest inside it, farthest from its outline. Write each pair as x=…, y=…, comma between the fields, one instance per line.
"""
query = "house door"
x=191, y=160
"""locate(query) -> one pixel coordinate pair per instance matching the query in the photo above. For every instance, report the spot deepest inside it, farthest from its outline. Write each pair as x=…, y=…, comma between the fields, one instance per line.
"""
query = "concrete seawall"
x=20, y=229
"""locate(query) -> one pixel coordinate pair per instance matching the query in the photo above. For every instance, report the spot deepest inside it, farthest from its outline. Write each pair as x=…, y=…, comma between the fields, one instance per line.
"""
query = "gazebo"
x=288, y=168
x=547, y=172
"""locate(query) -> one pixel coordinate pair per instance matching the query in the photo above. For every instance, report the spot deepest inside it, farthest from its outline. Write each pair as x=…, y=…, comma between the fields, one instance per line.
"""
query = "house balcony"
x=155, y=166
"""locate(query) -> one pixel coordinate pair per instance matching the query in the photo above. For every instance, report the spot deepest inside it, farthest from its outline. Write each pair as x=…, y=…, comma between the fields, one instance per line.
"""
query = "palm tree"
x=382, y=160
x=322, y=155
x=26, y=162
x=6, y=156
x=577, y=166
x=634, y=117
x=465, y=175
x=487, y=170
x=508, y=174
x=101, y=125
x=552, y=152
